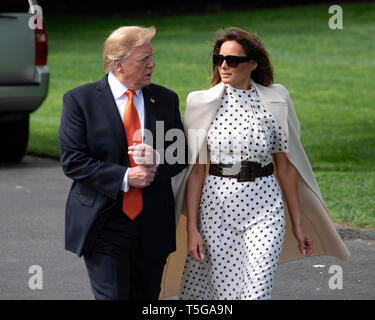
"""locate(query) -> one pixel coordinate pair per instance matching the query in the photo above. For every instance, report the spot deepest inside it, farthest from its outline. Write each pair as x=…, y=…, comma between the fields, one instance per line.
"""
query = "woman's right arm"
x=194, y=186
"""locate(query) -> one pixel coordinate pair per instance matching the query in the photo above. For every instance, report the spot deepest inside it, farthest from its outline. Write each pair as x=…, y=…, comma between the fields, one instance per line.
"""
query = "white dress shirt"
x=118, y=92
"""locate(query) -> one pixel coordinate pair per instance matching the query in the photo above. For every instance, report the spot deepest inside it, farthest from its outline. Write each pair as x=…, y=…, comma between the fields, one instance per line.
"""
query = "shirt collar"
x=118, y=89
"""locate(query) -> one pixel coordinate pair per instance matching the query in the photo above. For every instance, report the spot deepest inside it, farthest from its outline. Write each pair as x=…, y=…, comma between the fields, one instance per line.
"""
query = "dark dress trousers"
x=94, y=154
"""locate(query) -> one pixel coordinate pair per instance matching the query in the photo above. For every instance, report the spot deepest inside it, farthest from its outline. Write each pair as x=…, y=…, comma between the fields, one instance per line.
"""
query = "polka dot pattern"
x=243, y=129
x=242, y=223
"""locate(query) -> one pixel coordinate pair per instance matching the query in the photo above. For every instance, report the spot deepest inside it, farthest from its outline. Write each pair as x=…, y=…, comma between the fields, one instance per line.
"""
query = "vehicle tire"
x=14, y=136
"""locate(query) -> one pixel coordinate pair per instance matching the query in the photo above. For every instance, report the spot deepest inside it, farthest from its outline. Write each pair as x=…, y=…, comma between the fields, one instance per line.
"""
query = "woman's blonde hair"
x=120, y=42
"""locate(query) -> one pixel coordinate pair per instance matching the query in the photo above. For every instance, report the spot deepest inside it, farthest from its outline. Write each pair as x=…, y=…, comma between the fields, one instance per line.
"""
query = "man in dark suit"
x=120, y=208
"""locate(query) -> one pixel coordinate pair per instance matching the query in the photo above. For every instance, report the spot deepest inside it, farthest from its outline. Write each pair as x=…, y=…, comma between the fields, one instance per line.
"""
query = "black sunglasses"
x=232, y=61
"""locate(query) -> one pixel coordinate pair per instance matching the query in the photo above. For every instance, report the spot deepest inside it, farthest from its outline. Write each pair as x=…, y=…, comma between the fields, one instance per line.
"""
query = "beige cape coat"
x=201, y=107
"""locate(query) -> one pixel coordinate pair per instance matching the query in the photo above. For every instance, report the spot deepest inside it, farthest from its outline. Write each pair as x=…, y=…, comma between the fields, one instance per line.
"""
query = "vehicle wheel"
x=13, y=139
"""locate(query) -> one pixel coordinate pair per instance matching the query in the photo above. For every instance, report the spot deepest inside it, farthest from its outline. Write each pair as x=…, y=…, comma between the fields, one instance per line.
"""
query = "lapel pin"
x=152, y=100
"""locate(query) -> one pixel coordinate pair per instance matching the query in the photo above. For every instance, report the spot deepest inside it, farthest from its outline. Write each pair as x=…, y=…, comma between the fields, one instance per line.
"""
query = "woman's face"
x=238, y=77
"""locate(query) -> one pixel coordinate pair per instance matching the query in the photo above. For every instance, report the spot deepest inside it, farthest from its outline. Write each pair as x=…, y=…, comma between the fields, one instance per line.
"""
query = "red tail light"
x=41, y=47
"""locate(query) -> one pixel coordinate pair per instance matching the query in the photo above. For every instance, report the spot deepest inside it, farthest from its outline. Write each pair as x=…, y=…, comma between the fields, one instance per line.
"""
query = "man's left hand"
x=144, y=155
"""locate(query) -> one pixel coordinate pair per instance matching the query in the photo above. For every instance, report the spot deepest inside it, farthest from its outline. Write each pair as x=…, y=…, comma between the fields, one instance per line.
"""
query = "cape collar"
x=266, y=94
x=201, y=106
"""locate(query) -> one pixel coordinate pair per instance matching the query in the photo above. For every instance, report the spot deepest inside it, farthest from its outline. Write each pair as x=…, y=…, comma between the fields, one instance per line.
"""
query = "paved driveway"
x=32, y=200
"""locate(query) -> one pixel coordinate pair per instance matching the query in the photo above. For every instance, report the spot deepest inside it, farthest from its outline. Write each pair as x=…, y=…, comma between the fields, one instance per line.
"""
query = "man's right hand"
x=141, y=176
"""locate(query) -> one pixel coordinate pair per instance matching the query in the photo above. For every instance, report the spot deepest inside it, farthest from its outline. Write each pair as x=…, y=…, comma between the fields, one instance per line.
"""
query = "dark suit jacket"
x=93, y=152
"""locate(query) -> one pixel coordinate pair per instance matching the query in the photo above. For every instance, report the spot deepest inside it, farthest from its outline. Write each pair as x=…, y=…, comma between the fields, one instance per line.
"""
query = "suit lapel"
x=151, y=115
x=107, y=102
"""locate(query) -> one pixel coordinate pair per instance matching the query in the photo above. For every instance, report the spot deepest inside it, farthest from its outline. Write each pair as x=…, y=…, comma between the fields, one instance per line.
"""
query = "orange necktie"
x=132, y=200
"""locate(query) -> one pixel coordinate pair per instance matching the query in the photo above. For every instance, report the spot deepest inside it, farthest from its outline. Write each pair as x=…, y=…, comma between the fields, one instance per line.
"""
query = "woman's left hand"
x=304, y=241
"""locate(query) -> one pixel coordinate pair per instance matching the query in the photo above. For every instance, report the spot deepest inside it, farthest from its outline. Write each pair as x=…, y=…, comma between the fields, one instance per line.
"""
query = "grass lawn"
x=329, y=74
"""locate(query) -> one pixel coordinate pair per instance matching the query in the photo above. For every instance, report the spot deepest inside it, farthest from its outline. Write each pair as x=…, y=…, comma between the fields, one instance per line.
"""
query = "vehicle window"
x=14, y=6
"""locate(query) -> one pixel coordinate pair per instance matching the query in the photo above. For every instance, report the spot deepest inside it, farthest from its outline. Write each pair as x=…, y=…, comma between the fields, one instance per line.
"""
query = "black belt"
x=244, y=171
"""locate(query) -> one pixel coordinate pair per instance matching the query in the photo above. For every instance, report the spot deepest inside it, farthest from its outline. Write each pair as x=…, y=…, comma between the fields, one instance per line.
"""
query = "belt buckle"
x=230, y=170
x=246, y=175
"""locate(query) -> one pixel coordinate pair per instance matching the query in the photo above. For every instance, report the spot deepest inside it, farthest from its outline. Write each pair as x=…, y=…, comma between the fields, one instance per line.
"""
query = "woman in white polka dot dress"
x=236, y=224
